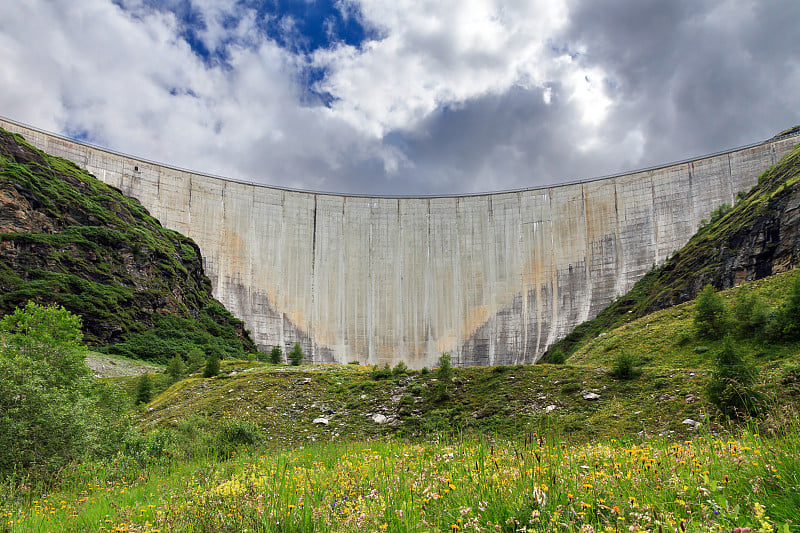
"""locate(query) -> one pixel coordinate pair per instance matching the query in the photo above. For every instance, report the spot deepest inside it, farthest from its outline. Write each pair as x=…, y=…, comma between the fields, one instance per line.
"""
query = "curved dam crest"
x=491, y=278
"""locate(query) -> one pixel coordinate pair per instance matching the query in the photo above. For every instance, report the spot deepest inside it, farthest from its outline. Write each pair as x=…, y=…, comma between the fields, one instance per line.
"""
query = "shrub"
x=445, y=370
x=195, y=359
x=400, y=369
x=381, y=373
x=749, y=314
x=710, y=319
x=234, y=434
x=212, y=365
x=731, y=385
x=296, y=355
x=444, y=375
x=785, y=323
x=625, y=365
x=144, y=389
x=45, y=391
x=555, y=356
x=276, y=355
x=176, y=368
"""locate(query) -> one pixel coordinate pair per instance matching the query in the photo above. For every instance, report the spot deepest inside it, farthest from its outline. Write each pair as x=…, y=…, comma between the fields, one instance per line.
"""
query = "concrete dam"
x=491, y=278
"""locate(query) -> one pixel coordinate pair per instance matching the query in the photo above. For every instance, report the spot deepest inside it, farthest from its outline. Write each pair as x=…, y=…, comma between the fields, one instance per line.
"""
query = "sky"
x=402, y=97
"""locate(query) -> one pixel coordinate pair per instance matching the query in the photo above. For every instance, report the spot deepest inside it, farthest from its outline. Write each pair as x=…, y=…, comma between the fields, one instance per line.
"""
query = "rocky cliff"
x=757, y=237
x=69, y=239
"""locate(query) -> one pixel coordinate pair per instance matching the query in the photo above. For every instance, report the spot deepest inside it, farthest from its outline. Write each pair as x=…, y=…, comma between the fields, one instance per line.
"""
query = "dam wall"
x=491, y=278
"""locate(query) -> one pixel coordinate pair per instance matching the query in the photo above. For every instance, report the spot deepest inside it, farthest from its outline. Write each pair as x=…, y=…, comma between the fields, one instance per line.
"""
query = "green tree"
x=296, y=355
x=45, y=390
x=711, y=315
x=176, y=368
x=400, y=369
x=444, y=375
x=144, y=389
x=749, y=314
x=276, y=355
x=555, y=356
x=212, y=364
x=195, y=359
x=731, y=385
x=445, y=370
x=625, y=365
x=788, y=316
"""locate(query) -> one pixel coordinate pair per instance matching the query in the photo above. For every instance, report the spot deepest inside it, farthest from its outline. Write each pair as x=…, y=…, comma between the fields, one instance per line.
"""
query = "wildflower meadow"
x=706, y=483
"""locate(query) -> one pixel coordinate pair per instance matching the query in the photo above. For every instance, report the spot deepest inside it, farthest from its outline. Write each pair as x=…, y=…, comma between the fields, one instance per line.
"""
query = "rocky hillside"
x=757, y=237
x=69, y=239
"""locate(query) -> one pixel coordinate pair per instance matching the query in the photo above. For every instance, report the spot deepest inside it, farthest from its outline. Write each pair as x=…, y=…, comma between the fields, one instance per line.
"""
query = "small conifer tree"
x=144, y=389
x=212, y=365
x=195, y=359
x=176, y=368
x=276, y=355
x=296, y=355
x=711, y=315
x=731, y=384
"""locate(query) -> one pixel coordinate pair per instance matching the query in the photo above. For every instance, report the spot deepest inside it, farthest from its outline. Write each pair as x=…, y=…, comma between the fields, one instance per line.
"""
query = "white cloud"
x=438, y=53
x=453, y=95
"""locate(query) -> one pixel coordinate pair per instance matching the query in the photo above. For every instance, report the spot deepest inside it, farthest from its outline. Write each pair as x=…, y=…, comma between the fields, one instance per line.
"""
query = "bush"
x=445, y=370
x=144, y=389
x=381, y=373
x=731, y=384
x=195, y=359
x=625, y=365
x=176, y=368
x=212, y=365
x=234, y=434
x=276, y=355
x=444, y=375
x=785, y=323
x=45, y=392
x=711, y=316
x=296, y=355
x=555, y=356
x=400, y=369
x=749, y=314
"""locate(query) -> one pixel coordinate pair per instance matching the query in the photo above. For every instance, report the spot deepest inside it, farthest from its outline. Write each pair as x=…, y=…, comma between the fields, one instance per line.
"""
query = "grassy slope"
x=72, y=240
x=665, y=338
x=510, y=401
x=705, y=258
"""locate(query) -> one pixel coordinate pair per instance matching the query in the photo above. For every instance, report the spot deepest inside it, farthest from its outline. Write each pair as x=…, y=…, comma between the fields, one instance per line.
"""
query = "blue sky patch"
x=299, y=26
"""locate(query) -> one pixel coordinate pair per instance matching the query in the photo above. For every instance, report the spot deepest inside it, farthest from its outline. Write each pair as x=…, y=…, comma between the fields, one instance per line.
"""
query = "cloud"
x=402, y=97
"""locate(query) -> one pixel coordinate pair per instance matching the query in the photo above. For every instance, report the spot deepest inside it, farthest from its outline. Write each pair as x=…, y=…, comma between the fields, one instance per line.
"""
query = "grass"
x=107, y=366
x=666, y=339
x=506, y=401
x=540, y=482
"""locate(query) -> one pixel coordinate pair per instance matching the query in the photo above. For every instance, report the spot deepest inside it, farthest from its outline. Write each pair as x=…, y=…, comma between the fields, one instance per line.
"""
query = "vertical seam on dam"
x=653, y=206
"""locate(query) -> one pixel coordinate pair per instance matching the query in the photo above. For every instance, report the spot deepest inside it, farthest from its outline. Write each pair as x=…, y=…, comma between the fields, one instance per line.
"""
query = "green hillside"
x=755, y=238
x=69, y=239
x=667, y=339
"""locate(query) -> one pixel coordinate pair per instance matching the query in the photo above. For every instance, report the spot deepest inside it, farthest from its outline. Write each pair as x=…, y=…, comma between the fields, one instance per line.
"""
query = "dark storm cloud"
x=694, y=76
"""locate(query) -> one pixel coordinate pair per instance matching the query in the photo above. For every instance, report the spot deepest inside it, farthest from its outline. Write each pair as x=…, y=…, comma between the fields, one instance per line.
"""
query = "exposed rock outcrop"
x=69, y=239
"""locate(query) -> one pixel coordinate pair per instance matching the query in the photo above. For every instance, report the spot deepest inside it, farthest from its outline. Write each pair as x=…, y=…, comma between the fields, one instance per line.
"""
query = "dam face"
x=490, y=278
